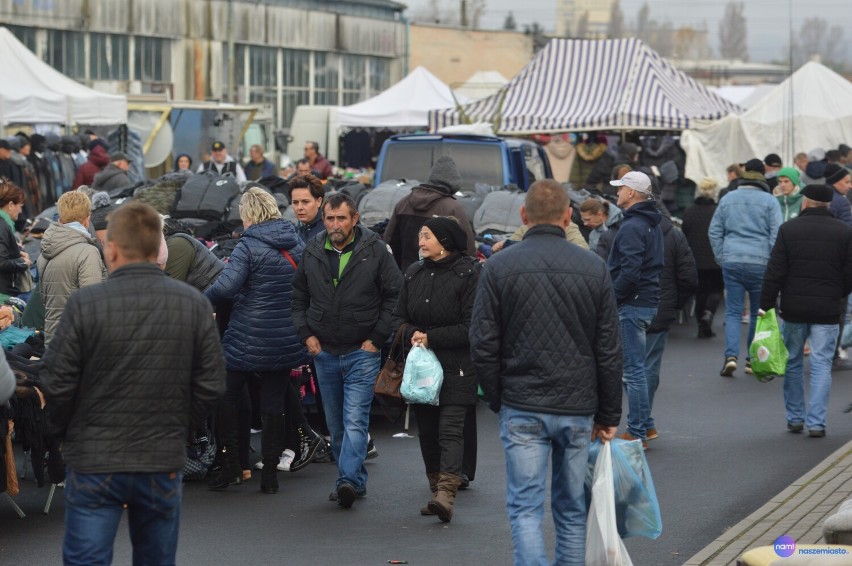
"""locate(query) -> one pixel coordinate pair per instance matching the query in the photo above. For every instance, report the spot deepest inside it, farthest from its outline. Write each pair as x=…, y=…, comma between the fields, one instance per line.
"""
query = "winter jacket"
x=134, y=366
x=744, y=226
x=588, y=154
x=69, y=260
x=840, y=207
x=637, y=259
x=258, y=279
x=359, y=307
x=312, y=229
x=615, y=216
x=544, y=335
x=791, y=205
x=679, y=279
x=228, y=167
x=322, y=168
x=112, y=177
x=811, y=267
x=256, y=171
x=12, y=265
x=412, y=211
x=192, y=262
x=98, y=159
x=437, y=298
x=696, y=224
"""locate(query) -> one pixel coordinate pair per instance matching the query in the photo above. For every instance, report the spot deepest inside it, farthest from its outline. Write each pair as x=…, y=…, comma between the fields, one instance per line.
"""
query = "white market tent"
x=405, y=104
x=586, y=85
x=812, y=108
x=744, y=96
x=481, y=84
x=33, y=92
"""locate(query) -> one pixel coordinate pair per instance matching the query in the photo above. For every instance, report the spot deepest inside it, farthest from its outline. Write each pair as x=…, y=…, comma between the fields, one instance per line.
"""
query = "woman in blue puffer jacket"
x=261, y=339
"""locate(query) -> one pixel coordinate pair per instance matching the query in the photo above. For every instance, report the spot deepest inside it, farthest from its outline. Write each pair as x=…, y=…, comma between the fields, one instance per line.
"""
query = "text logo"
x=784, y=546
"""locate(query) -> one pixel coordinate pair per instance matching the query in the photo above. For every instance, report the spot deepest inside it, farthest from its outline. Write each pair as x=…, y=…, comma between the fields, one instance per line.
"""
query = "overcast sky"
x=768, y=20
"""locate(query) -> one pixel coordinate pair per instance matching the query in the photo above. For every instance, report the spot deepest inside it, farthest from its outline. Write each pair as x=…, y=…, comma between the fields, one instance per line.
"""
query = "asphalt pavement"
x=723, y=452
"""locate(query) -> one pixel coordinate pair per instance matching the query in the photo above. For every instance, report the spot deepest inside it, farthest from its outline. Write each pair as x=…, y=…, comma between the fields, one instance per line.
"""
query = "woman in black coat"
x=436, y=302
x=13, y=261
x=696, y=226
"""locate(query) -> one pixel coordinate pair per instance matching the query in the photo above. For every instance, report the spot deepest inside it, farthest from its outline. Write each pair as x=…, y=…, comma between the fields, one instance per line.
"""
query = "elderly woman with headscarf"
x=436, y=302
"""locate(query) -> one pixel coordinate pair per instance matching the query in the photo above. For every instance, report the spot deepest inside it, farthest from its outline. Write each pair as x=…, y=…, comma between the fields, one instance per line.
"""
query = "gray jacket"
x=110, y=178
x=69, y=260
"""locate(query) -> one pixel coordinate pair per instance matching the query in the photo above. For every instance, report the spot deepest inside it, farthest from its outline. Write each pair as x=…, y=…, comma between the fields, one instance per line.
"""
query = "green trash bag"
x=767, y=351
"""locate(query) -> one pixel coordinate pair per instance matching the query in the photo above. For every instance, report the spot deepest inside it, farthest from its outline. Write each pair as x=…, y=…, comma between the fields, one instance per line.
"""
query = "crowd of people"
x=565, y=316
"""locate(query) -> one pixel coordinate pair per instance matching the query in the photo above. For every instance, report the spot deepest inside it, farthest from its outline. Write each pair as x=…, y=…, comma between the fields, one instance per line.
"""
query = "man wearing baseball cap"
x=222, y=163
x=635, y=264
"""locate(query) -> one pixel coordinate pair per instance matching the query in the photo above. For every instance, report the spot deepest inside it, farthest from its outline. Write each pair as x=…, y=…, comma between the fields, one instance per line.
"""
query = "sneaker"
x=465, y=482
x=630, y=437
x=748, y=367
x=651, y=434
x=333, y=495
x=730, y=367
x=842, y=354
x=816, y=432
x=372, y=451
x=795, y=427
x=259, y=465
x=285, y=460
x=345, y=495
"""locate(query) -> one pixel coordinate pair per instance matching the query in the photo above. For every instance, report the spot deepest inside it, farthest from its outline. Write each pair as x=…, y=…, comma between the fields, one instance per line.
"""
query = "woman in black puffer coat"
x=696, y=226
x=261, y=339
x=436, y=302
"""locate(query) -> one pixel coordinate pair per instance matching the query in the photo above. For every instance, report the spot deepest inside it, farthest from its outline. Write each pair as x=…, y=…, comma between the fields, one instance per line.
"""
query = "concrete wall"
x=453, y=55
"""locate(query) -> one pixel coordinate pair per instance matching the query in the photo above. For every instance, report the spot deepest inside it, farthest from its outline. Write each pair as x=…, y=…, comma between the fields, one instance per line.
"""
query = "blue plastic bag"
x=422, y=378
x=637, y=511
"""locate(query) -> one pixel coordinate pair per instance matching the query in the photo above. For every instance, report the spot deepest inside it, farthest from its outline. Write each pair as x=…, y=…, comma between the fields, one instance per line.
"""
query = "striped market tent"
x=586, y=85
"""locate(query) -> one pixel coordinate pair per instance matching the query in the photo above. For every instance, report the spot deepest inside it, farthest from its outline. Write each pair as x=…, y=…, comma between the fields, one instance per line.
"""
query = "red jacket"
x=98, y=159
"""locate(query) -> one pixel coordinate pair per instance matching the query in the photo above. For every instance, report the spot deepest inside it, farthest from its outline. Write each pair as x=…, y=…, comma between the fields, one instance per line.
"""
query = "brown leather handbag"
x=389, y=379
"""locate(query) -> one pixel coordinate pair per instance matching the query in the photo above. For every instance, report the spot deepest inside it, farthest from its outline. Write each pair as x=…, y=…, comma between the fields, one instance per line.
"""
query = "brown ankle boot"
x=442, y=504
x=433, y=487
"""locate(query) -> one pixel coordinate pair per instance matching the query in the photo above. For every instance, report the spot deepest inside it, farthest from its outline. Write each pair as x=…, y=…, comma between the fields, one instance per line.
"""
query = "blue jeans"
x=655, y=343
x=634, y=323
x=93, y=508
x=823, y=340
x=741, y=278
x=346, y=385
x=528, y=439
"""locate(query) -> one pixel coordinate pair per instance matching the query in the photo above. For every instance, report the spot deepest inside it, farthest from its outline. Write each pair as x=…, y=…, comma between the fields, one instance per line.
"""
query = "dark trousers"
x=441, y=431
x=709, y=293
x=470, y=446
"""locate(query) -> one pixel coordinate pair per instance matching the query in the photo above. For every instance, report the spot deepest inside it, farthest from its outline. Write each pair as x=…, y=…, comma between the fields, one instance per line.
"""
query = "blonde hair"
x=707, y=188
x=256, y=206
x=73, y=206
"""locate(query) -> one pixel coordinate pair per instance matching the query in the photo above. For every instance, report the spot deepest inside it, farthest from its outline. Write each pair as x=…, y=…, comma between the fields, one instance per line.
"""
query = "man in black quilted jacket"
x=134, y=366
x=544, y=339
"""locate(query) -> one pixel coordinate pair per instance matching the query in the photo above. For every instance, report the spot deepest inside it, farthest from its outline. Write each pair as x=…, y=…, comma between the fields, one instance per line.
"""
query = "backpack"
x=206, y=196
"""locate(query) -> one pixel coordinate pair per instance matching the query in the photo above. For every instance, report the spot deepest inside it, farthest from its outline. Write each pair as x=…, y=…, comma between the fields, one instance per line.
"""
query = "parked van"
x=490, y=160
x=313, y=123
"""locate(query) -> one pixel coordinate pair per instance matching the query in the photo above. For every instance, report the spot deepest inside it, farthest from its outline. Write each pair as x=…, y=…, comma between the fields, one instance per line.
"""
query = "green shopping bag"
x=767, y=351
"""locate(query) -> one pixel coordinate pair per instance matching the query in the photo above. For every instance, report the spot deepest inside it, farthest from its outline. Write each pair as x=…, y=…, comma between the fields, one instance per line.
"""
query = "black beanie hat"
x=755, y=165
x=449, y=233
x=834, y=173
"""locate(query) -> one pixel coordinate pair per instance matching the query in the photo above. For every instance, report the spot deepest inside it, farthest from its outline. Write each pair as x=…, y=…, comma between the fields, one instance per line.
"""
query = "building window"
x=65, y=53
x=354, y=79
x=326, y=72
x=109, y=57
x=296, y=81
x=153, y=61
x=379, y=75
x=27, y=36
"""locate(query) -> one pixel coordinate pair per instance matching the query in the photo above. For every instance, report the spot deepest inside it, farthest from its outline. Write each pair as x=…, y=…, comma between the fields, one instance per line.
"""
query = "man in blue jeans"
x=134, y=366
x=344, y=293
x=635, y=264
x=544, y=341
x=742, y=234
x=811, y=268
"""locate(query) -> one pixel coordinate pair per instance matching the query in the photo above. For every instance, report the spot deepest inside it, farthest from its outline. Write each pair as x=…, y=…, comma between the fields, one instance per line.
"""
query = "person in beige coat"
x=70, y=258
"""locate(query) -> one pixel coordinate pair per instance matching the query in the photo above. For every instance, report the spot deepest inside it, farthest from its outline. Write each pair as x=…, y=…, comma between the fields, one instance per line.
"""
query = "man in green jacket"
x=788, y=192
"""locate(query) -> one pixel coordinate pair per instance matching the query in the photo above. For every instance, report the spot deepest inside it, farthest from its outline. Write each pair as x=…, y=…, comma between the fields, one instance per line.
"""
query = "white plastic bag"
x=422, y=377
x=603, y=544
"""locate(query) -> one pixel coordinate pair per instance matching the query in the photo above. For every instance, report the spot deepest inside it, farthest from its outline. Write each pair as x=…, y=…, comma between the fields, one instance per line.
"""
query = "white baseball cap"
x=635, y=180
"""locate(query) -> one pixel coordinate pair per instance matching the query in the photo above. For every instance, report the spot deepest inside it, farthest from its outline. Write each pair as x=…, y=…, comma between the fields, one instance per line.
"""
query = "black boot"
x=228, y=471
x=309, y=443
x=271, y=446
x=705, y=325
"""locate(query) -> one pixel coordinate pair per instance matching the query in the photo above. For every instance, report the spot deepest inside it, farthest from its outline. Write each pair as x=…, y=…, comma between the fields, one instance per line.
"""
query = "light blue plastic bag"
x=637, y=511
x=422, y=378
